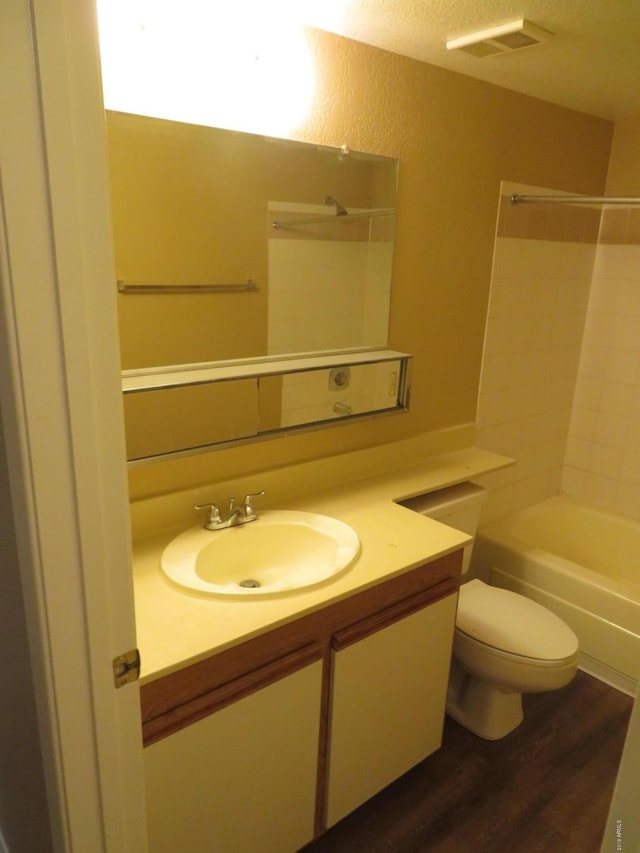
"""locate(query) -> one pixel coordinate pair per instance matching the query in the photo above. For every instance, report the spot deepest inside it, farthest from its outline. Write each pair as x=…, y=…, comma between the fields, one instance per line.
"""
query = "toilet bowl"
x=504, y=643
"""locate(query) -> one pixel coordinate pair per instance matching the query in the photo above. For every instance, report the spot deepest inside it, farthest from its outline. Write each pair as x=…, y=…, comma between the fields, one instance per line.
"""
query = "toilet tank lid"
x=512, y=623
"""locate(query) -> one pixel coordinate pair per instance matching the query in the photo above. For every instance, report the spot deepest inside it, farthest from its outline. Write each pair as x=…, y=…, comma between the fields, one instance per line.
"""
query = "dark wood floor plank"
x=546, y=786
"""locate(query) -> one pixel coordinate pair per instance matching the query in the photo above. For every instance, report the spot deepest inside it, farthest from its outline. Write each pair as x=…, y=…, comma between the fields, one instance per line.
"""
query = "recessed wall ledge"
x=391, y=471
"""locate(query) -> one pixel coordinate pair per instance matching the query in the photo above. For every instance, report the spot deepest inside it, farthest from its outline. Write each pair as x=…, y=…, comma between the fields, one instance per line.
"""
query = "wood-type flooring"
x=545, y=787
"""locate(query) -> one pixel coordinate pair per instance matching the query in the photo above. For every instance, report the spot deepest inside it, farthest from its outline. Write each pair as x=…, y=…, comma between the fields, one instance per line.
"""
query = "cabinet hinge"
x=126, y=668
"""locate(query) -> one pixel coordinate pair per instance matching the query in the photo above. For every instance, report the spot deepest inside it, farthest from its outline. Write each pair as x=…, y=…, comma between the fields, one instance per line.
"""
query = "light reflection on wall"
x=244, y=66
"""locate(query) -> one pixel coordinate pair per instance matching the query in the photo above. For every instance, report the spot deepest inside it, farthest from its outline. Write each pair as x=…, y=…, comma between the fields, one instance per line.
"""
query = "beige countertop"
x=176, y=628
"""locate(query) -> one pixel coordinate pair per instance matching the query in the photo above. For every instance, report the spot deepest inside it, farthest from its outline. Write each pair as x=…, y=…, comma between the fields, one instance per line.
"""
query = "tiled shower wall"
x=602, y=463
x=542, y=269
x=309, y=396
x=329, y=281
x=560, y=385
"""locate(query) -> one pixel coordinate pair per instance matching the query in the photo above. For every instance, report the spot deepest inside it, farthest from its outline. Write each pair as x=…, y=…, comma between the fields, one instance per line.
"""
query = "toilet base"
x=485, y=709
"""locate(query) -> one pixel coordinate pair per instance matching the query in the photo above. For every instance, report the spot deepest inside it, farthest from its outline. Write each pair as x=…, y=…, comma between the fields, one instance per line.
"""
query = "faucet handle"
x=249, y=511
x=214, y=514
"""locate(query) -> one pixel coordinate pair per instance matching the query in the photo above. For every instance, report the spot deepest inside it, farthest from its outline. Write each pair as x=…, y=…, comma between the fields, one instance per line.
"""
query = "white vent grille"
x=502, y=39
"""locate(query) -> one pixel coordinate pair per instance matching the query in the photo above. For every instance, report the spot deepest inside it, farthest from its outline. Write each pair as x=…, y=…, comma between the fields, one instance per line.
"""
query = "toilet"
x=504, y=644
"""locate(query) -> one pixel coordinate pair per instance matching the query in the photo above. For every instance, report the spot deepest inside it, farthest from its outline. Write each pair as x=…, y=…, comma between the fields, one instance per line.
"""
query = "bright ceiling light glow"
x=244, y=65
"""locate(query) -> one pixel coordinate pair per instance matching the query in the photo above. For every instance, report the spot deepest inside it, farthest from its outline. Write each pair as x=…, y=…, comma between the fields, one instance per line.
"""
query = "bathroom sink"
x=278, y=552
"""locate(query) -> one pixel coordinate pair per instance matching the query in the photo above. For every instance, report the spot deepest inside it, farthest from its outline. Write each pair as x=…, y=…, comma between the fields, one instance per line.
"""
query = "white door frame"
x=62, y=417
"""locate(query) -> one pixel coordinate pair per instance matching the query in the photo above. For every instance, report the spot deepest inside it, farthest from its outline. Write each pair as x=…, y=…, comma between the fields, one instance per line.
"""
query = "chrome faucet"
x=235, y=516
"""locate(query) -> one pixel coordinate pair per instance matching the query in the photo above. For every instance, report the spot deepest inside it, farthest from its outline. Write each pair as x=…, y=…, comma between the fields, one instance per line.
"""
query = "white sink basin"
x=278, y=552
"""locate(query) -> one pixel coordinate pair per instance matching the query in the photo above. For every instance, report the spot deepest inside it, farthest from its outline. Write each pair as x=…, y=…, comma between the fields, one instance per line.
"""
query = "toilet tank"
x=458, y=506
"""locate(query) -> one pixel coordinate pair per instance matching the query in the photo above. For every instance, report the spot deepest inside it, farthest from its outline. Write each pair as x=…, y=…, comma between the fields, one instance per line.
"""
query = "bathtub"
x=583, y=564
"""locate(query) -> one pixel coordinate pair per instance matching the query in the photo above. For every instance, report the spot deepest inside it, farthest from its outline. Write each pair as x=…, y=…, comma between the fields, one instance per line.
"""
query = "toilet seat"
x=513, y=625
x=469, y=649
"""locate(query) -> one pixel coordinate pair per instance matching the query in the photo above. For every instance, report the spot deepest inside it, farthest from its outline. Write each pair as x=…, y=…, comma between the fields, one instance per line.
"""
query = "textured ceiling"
x=591, y=64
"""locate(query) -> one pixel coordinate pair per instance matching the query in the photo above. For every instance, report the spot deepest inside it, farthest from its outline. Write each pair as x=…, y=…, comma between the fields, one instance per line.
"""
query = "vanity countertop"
x=176, y=627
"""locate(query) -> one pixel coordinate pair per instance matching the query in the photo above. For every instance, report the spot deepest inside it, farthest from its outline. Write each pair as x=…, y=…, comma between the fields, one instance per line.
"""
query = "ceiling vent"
x=503, y=39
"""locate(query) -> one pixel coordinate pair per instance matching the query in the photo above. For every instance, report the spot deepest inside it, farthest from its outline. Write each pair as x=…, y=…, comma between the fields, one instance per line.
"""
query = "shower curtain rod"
x=574, y=199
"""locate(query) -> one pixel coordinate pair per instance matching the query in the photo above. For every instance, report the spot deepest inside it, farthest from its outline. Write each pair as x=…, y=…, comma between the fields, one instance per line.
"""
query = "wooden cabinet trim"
x=383, y=618
x=202, y=706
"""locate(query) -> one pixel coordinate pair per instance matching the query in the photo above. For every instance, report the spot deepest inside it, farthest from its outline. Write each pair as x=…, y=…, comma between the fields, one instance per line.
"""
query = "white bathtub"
x=583, y=564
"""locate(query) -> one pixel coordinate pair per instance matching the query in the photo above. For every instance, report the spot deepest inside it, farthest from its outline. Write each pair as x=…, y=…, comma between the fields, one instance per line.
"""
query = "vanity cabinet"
x=264, y=745
x=242, y=778
x=387, y=709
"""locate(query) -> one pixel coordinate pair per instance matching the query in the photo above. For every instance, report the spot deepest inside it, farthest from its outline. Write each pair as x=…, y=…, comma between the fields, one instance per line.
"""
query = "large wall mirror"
x=233, y=248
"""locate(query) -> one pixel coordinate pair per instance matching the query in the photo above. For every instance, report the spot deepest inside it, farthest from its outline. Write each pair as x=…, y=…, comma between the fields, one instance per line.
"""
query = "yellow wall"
x=456, y=139
x=171, y=225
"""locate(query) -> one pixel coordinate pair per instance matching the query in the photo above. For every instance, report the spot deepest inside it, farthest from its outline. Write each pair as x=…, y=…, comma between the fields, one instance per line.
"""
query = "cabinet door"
x=387, y=713
x=242, y=779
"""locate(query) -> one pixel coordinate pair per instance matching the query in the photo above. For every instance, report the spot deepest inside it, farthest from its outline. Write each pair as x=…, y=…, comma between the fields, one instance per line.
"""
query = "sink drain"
x=249, y=584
